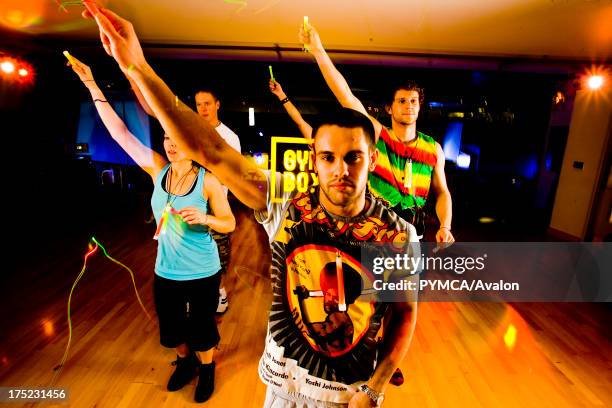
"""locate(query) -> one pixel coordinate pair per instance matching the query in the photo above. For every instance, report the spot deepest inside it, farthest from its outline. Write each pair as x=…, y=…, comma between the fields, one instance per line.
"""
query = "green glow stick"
x=92, y=249
x=271, y=73
x=131, y=274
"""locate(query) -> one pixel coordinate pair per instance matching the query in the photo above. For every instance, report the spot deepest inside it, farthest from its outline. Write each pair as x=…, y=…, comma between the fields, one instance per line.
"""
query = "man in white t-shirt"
x=207, y=105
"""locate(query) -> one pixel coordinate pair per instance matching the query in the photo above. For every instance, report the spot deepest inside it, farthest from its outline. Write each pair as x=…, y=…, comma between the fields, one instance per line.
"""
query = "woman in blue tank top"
x=186, y=285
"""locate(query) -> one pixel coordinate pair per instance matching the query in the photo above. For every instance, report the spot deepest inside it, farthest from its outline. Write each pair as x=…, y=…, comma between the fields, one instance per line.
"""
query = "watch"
x=376, y=397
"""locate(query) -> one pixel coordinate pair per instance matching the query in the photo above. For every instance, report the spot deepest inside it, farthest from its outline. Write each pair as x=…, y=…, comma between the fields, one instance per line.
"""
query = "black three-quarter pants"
x=186, y=312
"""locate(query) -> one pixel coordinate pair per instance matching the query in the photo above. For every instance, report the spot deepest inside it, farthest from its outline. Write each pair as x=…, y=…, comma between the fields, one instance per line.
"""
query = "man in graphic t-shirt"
x=322, y=334
x=332, y=223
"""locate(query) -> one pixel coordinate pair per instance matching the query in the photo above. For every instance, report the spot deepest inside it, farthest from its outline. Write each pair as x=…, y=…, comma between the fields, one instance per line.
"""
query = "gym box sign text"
x=292, y=158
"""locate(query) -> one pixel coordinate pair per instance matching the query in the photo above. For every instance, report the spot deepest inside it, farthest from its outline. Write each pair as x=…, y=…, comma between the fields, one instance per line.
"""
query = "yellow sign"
x=296, y=167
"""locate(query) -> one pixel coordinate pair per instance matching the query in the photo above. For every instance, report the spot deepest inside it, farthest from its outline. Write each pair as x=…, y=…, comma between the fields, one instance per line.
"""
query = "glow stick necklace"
x=408, y=169
x=408, y=175
x=163, y=220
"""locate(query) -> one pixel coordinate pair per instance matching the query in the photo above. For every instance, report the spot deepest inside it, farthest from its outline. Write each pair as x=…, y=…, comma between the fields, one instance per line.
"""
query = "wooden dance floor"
x=462, y=354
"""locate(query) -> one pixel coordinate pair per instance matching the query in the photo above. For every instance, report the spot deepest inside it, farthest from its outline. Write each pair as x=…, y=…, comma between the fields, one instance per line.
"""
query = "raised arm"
x=294, y=113
x=148, y=159
x=195, y=136
x=141, y=100
x=334, y=79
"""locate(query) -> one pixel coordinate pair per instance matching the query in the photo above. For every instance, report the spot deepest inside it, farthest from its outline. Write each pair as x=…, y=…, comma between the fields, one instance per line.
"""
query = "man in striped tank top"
x=410, y=162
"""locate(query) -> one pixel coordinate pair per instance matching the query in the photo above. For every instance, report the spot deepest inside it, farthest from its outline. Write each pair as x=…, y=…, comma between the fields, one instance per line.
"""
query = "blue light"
x=452, y=140
x=548, y=161
x=529, y=166
x=463, y=160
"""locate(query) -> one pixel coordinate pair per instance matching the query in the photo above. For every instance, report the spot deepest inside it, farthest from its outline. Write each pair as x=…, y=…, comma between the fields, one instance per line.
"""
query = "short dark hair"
x=346, y=118
x=204, y=89
x=405, y=86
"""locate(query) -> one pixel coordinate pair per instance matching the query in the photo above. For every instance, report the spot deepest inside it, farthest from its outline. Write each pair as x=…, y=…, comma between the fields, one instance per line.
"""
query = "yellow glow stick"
x=306, y=31
x=271, y=73
x=69, y=57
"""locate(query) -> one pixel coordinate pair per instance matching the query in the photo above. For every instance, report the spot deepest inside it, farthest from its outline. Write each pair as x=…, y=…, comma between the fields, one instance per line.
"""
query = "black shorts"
x=186, y=312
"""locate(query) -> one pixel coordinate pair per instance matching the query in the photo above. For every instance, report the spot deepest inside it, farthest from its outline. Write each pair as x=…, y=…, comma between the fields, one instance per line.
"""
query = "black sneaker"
x=206, y=382
x=185, y=371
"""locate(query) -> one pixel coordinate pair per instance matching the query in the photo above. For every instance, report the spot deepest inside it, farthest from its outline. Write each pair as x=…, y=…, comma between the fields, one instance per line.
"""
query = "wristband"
x=443, y=227
x=376, y=397
x=284, y=101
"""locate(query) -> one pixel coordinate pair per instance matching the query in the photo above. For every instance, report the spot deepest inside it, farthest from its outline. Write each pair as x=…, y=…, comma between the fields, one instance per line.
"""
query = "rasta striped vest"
x=386, y=182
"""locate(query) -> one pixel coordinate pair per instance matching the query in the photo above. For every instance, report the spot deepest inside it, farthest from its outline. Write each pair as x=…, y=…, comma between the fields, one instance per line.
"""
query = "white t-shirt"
x=231, y=138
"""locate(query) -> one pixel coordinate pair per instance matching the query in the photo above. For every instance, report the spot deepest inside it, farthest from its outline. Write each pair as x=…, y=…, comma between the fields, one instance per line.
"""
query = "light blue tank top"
x=184, y=252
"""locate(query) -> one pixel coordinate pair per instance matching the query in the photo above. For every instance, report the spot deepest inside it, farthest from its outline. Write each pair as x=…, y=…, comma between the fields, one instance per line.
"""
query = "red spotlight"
x=7, y=67
x=16, y=71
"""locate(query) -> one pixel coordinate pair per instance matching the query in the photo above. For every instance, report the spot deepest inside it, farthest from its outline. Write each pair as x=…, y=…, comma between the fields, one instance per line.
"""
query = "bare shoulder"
x=440, y=153
x=211, y=181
